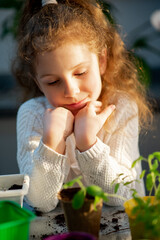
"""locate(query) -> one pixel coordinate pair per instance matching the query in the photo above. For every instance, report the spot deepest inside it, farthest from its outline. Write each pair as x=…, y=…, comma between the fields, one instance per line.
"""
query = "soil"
x=103, y=226
x=15, y=187
x=114, y=220
x=67, y=194
x=37, y=212
x=60, y=220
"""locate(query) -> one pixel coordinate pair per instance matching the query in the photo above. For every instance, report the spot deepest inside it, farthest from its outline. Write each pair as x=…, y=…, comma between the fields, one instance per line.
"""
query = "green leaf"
x=157, y=155
x=116, y=187
x=139, y=200
x=116, y=178
x=104, y=197
x=149, y=182
x=150, y=157
x=94, y=190
x=157, y=194
x=72, y=182
x=78, y=199
x=142, y=174
x=129, y=182
x=134, y=192
x=136, y=161
x=155, y=165
x=144, y=72
x=124, y=177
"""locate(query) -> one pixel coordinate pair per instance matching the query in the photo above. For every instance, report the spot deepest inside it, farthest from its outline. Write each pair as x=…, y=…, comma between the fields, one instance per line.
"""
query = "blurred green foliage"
x=10, y=23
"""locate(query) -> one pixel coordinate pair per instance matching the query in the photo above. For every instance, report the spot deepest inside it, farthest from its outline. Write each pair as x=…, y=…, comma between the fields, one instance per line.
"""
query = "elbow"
x=41, y=204
x=114, y=202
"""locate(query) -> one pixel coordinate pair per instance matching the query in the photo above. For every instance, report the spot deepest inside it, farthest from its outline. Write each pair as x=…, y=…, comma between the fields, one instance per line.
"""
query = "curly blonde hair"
x=46, y=28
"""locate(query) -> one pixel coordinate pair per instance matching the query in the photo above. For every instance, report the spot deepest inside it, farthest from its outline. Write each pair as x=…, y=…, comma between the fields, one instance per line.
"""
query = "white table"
x=114, y=224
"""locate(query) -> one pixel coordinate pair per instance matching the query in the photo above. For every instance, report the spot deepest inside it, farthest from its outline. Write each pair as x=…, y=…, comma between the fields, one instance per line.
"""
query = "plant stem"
x=117, y=196
x=152, y=174
x=80, y=184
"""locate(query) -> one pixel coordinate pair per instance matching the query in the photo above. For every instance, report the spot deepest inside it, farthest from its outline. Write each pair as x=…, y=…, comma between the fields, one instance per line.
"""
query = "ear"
x=103, y=61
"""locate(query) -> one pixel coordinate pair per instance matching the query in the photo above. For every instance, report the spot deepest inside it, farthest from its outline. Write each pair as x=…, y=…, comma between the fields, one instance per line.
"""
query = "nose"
x=71, y=88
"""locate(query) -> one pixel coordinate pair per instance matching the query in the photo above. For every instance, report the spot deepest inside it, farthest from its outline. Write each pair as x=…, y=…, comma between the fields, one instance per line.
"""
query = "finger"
x=49, y=110
x=94, y=103
x=106, y=113
x=94, y=106
x=90, y=107
x=98, y=109
x=97, y=104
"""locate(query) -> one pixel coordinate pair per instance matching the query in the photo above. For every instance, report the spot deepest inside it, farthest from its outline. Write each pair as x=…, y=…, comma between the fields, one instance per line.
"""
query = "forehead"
x=66, y=55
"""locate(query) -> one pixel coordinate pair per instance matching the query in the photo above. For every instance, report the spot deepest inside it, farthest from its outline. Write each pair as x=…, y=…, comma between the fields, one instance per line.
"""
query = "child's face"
x=70, y=76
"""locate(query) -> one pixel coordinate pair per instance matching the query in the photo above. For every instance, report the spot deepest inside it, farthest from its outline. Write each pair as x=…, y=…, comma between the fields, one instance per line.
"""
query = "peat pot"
x=85, y=219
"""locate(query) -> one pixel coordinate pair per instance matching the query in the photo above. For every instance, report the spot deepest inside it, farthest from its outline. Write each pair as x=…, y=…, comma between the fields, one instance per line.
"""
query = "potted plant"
x=82, y=206
x=14, y=187
x=144, y=212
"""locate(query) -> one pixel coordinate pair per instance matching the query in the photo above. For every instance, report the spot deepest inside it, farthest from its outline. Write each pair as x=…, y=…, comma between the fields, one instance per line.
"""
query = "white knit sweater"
x=112, y=154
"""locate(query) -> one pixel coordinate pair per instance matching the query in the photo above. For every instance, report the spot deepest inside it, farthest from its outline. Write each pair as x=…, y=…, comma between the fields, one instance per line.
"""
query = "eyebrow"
x=47, y=75
x=78, y=65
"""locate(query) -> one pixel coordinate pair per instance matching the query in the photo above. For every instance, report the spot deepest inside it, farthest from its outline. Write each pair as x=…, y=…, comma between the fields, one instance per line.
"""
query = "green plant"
x=11, y=22
x=92, y=190
x=147, y=211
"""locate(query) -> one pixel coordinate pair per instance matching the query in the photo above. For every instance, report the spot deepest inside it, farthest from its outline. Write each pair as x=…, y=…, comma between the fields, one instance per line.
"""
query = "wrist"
x=84, y=144
x=57, y=145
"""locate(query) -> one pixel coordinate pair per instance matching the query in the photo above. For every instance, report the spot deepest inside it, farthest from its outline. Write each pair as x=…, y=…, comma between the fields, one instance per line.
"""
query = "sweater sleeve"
x=105, y=160
x=46, y=168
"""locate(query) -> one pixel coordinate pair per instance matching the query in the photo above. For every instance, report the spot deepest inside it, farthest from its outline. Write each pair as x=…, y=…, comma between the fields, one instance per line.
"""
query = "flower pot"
x=9, y=185
x=85, y=219
x=14, y=221
x=138, y=230
x=72, y=236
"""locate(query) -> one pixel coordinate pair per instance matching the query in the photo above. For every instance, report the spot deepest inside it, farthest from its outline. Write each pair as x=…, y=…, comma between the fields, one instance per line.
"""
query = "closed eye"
x=80, y=74
x=52, y=83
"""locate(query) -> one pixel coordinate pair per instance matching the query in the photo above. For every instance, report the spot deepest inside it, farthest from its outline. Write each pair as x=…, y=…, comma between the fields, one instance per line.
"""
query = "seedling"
x=148, y=212
x=92, y=190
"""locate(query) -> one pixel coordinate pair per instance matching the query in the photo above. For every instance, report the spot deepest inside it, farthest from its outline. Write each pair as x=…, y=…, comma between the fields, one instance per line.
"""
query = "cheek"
x=95, y=85
x=52, y=97
x=54, y=100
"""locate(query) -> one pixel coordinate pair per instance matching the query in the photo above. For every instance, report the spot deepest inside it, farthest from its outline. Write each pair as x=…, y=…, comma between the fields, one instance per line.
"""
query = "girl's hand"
x=88, y=123
x=58, y=125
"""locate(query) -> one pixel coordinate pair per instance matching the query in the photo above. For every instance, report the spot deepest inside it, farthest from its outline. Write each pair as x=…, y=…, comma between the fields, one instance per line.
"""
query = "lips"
x=77, y=106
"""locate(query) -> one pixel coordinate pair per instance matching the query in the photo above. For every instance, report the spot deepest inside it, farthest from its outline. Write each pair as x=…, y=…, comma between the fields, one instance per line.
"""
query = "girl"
x=87, y=104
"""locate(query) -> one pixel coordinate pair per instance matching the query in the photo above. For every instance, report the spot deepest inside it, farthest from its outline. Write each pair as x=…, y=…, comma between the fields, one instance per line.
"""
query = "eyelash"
x=77, y=74
x=52, y=83
x=80, y=74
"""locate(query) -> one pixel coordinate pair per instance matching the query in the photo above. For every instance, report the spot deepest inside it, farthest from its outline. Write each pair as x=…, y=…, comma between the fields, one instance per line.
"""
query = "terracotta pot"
x=137, y=230
x=85, y=219
x=72, y=236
